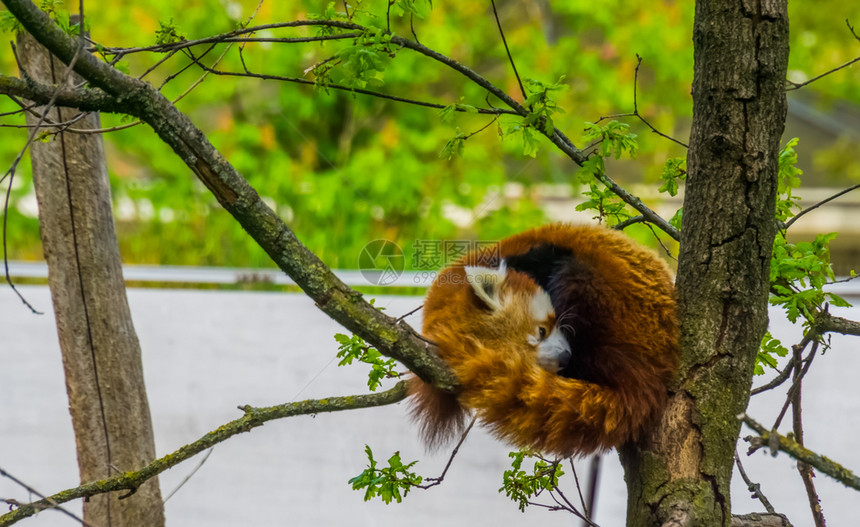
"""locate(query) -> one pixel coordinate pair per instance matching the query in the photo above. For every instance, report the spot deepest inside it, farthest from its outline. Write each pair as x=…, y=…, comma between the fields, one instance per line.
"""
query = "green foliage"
x=355, y=348
x=541, y=106
x=530, y=140
x=674, y=170
x=675, y=220
x=611, y=140
x=614, y=139
x=798, y=273
x=418, y=8
x=598, y=197
x=51, y=7
x=8, y=23
x=365, y=61
x=789, y=179
x=449, y=112
x=330, y=13
x=770, y=349
x=168, y=33
x=389, y=483
x=454, y=146
x=522, y=486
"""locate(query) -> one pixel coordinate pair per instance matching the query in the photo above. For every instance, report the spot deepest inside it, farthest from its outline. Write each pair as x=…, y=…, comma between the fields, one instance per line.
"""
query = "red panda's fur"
x=617, y=300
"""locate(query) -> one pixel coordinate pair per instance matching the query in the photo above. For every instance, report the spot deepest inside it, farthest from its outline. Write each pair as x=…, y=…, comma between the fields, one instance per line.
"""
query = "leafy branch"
x=252, y=418
x=522, y=486
x=355, y=348
x=799, y=271
x=389, y=483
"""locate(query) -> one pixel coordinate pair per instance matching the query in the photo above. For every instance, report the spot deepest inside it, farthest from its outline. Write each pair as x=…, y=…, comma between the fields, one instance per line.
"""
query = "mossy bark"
x=680, y=475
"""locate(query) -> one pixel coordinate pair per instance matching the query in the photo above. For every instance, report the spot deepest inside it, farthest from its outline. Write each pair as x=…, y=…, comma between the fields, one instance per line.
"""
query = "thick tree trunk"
x=101, y=353
x=680, y=475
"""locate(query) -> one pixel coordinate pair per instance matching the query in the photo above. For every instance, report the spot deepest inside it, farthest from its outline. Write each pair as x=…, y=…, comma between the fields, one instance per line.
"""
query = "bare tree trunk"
x=680, y=476
x=101, y=353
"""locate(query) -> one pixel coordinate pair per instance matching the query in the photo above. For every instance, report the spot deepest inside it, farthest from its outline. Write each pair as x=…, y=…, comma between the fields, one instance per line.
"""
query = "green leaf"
x=8, y=23
x=454, y=146
x=770, y=349
x=677, y=218
x=674, y=170
x=788, y=179
x=390, y=483
x=355, y=348
x=798, y=274
x=530, y=144
x=418, y=8
x=521, y=486
x=168, y=33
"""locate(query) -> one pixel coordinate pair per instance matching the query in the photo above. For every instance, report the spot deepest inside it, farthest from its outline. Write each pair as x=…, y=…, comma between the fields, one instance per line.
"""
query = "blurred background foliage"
x=344, y=169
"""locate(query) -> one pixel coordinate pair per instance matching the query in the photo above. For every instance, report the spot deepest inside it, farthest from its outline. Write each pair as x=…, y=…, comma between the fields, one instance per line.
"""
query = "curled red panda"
x=565, y=345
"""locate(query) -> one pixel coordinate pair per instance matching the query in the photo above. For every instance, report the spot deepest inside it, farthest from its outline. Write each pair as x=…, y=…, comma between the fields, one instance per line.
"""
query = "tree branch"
x=760, y=520
x=234, y=193
x=799, y=452
x=253, y=418
x=87, y=100
x=827, y=323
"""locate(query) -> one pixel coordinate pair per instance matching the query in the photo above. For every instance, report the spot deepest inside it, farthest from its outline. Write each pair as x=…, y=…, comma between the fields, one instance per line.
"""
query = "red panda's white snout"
x=522, y=301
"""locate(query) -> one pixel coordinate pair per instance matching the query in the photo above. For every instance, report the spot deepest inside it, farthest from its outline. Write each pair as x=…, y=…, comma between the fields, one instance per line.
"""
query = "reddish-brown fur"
x=619, y=299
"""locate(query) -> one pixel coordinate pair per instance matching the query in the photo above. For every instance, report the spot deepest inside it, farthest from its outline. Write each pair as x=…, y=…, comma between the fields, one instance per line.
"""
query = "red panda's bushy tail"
x=440, y=415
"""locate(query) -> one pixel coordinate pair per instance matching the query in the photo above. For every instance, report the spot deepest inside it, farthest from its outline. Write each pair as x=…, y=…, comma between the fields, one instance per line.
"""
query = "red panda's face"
x=516, y=314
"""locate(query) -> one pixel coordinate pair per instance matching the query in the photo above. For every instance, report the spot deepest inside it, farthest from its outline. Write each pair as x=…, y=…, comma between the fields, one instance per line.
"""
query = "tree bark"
x=101, y=353
x=680, y=475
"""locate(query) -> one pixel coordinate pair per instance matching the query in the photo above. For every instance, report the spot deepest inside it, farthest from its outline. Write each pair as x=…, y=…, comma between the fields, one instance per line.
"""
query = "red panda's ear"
x=486, y=283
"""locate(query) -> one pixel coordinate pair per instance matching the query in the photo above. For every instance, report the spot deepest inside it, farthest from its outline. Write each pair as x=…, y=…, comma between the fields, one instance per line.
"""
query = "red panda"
x=500, y=329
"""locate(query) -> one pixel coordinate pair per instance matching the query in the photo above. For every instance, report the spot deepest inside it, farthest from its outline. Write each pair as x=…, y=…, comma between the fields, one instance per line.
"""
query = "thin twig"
x=795, y=386
x=507, y=50
x=585, y=508
x=798, y=85
x=190, y=475
x=401, y=317
x=593, y=478
x=803, y=469
x=437, y=481
x=790, y=222
x=777, y=381
x=755, y=488
x=636, y=108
